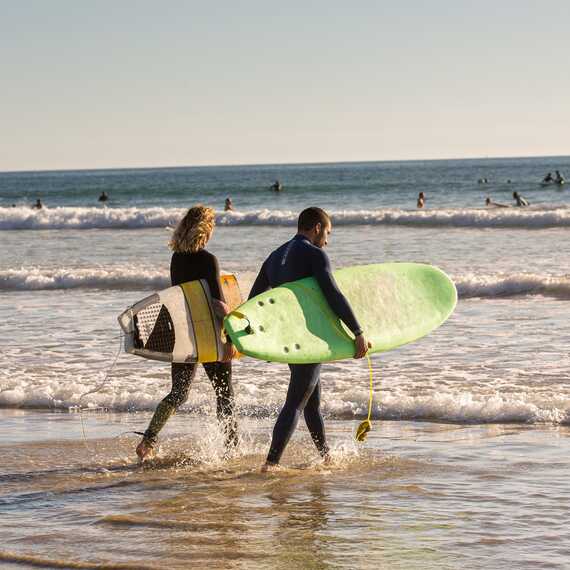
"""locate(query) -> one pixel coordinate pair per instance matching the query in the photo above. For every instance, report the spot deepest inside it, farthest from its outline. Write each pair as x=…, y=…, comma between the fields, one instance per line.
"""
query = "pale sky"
x=129, y=83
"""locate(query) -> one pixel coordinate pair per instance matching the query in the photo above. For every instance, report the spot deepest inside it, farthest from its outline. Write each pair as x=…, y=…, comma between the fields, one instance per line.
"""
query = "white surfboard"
x=178, y=324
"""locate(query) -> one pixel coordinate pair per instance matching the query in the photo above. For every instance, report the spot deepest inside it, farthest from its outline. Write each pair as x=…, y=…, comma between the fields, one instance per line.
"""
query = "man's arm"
x=323, y=274
x=261, y=282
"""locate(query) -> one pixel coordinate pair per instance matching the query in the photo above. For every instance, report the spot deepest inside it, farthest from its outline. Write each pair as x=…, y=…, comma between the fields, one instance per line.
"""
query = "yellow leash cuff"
x=365, y=426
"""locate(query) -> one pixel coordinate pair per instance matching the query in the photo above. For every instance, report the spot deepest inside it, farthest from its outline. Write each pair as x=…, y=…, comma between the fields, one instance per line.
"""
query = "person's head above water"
x=193, y=230
x=515, y=194
x=315, y=224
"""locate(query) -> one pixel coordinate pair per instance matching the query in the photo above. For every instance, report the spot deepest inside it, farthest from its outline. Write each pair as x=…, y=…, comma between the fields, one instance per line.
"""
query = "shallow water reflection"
x=416, y=495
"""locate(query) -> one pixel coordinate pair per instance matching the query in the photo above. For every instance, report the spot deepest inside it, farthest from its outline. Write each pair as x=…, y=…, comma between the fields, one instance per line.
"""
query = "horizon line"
x=309, y=163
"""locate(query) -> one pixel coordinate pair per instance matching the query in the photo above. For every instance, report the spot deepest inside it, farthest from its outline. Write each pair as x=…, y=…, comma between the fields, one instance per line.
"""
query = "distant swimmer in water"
x=520, y=200
x=490, y=203
x=421, y=200
x=548, y=178
x=483, y=181
x=228, y=206
x=103, y=197
x=559, y=179
x=277, y=186
x=38, y=205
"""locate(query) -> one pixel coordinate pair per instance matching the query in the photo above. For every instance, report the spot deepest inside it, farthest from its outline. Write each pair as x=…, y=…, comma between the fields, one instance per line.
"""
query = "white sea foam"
x=505, y=285
x=23, y=218
x=458, y=407
x=470, y=285
x=35, y=279
x=462, y=407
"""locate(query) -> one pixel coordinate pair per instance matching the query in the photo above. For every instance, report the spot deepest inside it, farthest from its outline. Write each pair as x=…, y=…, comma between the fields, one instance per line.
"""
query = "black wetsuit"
x=190, y=267
x=294, y=260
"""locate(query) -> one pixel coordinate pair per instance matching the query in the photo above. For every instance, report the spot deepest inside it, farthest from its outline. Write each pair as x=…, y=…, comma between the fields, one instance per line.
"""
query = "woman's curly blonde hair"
x=193, y=230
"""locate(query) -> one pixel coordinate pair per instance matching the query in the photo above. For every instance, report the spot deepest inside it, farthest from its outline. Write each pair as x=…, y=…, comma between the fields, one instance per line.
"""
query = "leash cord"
x=365, y=426
x=371, y=389
x=98, y=388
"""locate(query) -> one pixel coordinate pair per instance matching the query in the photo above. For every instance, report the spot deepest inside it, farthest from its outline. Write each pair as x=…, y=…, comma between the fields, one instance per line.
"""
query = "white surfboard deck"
x=178, y=324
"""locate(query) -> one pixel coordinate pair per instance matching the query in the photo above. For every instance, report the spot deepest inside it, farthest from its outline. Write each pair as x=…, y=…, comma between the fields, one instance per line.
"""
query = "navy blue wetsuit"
x=294, y=260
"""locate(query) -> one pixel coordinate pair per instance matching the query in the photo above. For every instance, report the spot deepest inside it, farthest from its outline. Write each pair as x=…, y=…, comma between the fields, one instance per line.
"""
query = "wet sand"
x=414, y=495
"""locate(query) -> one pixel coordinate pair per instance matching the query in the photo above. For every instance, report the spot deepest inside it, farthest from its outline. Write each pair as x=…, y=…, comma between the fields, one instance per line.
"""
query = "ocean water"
x=491, y=383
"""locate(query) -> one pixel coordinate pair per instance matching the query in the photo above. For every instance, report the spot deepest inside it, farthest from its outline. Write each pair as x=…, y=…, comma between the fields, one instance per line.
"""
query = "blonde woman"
x=190, y=261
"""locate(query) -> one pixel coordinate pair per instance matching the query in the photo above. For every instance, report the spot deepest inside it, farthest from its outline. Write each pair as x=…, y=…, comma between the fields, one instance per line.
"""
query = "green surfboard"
x=395, y=303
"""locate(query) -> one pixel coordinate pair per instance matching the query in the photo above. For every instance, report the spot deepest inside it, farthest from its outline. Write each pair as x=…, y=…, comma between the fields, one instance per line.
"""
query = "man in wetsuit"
x=303, y=256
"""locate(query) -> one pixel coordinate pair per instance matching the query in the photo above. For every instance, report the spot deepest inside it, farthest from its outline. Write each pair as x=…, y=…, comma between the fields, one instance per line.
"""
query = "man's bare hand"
x=361, y=346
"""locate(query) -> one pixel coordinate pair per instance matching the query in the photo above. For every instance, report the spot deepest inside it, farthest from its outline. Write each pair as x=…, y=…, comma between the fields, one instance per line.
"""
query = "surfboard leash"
x=99, y=387
x=365, y=426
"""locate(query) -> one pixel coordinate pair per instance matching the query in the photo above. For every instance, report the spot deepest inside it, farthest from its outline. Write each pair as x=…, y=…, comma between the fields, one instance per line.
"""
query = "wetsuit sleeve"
x=213, y=277
x=261, y=283
x=323, y=274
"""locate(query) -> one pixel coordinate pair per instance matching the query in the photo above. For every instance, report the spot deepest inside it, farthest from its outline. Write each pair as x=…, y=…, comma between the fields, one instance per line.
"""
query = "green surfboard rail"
x=395, y=303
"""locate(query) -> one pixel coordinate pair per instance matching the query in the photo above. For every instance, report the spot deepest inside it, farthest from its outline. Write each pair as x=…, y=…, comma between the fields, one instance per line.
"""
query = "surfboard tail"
x=178, y=324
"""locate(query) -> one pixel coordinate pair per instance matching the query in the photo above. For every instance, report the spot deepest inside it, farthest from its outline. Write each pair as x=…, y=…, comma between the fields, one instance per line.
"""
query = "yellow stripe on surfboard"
x=203, y=321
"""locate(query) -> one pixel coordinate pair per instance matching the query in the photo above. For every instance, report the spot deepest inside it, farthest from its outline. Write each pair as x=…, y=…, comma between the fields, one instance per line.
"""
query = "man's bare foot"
x=327, y=459
x=145, y=450
x=268, y=467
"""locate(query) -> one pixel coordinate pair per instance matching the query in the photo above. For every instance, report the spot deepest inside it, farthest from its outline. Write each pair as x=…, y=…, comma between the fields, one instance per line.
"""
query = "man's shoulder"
x=317, y=253
x=278, y=252
x=307, y=249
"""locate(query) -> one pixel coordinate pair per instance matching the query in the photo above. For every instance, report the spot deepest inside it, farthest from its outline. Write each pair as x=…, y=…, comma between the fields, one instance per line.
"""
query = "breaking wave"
x=23, y=218
x=463, y=407
x=468, y=285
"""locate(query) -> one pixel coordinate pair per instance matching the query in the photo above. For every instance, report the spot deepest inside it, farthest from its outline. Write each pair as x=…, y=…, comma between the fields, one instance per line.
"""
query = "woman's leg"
x=182, y=376
x=220, y=375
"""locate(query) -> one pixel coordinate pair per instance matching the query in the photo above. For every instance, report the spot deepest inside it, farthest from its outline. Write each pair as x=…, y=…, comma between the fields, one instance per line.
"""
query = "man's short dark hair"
x=312, y=216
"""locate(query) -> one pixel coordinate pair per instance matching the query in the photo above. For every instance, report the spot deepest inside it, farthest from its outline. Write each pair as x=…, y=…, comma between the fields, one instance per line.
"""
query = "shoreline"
x=430, y=495
x=198, y=414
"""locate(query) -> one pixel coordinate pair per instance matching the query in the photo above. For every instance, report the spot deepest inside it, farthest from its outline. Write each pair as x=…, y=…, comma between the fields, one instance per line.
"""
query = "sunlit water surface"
x=414, y=495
